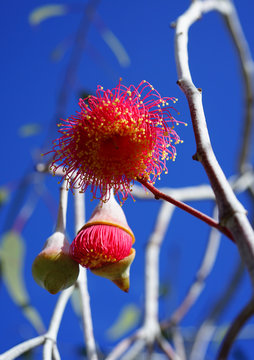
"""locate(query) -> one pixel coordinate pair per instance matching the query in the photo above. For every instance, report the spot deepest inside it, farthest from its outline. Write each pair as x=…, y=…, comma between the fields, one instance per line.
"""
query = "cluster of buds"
x=103, y=245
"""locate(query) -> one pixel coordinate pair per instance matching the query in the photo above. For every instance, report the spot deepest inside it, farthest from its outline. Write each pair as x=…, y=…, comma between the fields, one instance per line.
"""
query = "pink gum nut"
x=104, y=244
x=54, y=269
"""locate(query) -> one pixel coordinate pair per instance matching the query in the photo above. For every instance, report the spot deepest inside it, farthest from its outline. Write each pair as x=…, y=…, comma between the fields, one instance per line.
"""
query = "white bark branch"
x=231, y=213
x=62, y=209
x=79, y=204
x=51, y=335
x=20, y=349
x=151, y=322
x=198, y=285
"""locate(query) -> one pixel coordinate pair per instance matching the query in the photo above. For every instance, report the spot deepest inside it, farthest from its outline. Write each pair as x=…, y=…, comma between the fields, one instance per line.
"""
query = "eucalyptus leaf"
x=128, y=318
x=4, y=195
x=44, y=12
x=12, y=260
x=29, y=130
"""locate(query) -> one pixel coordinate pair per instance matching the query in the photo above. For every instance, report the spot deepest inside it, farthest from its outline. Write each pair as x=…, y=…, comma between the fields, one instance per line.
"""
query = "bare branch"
x=207, y=219
x=79, y=204
x=197, y=287
x=20, y=349
x=135, y=350
x=122, y=346
x=62, y=209
x=231, y=212
x=208, y=328
x=247, y=67
x=152, y=270
x=56, y=355
x=51, y=335
x=73, y=64
x=235, y=328
x=178, y=341
x=167, y=348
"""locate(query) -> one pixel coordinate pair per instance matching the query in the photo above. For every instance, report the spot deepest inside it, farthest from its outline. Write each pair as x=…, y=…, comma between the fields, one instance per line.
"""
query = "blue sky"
x=31, y=82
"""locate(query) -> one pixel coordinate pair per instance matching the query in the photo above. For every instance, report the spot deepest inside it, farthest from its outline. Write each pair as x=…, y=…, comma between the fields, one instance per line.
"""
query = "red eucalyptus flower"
x=104, y=244
x=118, y=136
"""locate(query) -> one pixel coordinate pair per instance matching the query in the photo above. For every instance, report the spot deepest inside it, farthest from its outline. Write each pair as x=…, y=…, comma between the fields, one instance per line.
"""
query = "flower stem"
x=207, y=219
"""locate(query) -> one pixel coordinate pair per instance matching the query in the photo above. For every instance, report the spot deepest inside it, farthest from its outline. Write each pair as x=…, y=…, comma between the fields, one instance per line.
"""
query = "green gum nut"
x=54, y=269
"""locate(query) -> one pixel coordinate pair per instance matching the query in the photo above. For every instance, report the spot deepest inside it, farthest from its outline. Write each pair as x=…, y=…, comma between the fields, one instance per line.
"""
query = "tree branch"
x=52, y=332
x=247, y=67
x=20, y=349
x=207, y=329
x=207, y=219
x=151, y=322
x=198, y=285
x=231, y=212
x=79, y=207
x=234, y=329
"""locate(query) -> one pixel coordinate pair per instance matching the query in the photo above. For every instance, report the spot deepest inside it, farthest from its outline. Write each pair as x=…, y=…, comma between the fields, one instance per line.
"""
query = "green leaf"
x=44, y=12
x=127, y=320
x=12, y=258
x=116, y=47
x=4, y=195
x=29, y=130
x=112, y=41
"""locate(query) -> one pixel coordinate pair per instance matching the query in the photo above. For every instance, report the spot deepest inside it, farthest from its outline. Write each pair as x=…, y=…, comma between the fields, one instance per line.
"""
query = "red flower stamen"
x=99, y=244
x=118, y=136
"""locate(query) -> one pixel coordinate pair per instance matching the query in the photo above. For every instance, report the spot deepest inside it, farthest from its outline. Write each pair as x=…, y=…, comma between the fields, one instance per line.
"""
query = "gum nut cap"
x=118, y=272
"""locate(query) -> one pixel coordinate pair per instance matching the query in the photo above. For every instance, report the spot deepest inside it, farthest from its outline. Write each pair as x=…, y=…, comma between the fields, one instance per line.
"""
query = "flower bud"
x=104, y=244
x=54, y=269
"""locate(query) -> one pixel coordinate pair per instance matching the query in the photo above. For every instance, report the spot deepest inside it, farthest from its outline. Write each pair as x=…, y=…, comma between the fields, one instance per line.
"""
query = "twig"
x=56, y=355
x=207, y=329
x=122, y=346
x=151, y=322
x=207, y=219
x=198, y=285
x=73, y=64
x=231, y=212
x=50, y=343
x=79, y=204
x=135, y=350
x=188, y=193
x=234, y=329
x=167, y=348
x=247, y=66
x=62, y=209
x=20, y=349
x=199, y=192
x=52, y=332
x=178, y=342
x=25, y=212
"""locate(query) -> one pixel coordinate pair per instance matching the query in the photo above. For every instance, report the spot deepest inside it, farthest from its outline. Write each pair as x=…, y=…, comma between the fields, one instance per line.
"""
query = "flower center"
x=117, y=148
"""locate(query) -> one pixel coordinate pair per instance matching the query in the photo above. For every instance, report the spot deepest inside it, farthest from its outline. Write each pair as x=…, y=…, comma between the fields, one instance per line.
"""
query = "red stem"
x=207, y=219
